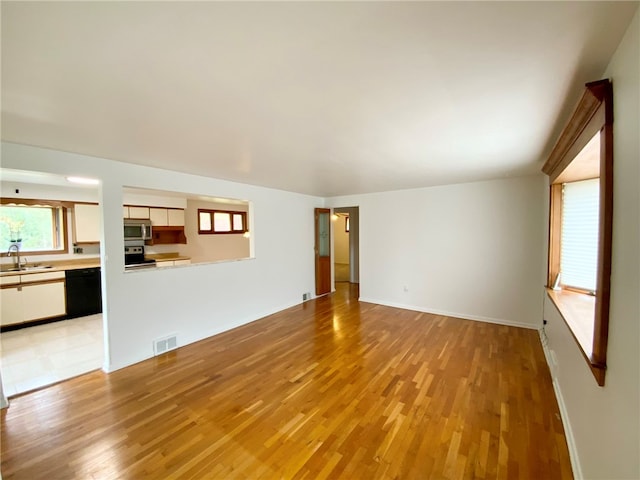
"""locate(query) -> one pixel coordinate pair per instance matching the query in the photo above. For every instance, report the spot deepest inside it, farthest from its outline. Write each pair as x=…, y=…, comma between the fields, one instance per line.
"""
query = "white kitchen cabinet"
x=43, y=300
x=35, y=297
x=158, y=217
x=86, y=223
x=125, y=211
x=172, y=263
x=138, y=212
x=11, y=308
x=166, y=217
x=10, y=280
x=41, y=277
x=175, y=217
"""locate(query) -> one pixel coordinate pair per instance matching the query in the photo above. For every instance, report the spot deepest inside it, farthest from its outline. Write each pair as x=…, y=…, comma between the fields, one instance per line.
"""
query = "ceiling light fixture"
x=83, y=180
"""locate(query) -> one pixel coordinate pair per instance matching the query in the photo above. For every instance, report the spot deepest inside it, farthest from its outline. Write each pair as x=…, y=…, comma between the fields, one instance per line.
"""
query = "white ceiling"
x=320, y=98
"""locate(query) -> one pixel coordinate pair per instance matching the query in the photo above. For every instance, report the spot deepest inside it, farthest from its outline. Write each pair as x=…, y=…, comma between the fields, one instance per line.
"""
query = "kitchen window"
x=35, y=226
x=221, y=221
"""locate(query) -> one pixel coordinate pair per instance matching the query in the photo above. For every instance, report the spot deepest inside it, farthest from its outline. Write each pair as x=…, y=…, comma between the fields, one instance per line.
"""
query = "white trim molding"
x=564, y=414
x=464, y=316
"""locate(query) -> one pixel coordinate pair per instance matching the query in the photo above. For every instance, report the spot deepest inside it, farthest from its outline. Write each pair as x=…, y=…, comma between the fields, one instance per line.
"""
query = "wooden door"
x=323, y=250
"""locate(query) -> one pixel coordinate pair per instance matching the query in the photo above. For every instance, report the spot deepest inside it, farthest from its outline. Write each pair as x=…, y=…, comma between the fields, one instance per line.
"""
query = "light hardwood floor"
x=332, y=388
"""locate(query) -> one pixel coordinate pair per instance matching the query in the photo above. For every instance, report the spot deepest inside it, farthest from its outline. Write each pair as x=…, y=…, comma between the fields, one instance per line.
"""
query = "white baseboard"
x=464, y=316
x=564, y=414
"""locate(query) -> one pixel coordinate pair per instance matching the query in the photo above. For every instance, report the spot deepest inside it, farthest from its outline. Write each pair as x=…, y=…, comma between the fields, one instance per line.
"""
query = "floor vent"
x=164, y=344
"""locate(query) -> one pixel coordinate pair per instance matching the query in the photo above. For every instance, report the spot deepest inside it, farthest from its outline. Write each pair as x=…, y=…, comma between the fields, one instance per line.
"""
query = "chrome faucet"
x=16, y=257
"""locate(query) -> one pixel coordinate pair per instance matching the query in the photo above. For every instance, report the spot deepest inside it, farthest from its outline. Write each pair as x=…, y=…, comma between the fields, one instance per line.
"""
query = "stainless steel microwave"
x=137, y=230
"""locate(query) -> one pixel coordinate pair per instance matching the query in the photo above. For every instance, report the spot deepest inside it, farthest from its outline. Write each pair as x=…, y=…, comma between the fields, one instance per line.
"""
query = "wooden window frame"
x=231, y=213
x=593, y=115
x=61, y=224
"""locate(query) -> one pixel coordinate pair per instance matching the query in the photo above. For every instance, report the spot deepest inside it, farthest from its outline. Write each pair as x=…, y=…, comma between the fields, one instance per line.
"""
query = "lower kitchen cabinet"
x=34, y=297
x=172, y=263
x=43, y=301
x=11, y=307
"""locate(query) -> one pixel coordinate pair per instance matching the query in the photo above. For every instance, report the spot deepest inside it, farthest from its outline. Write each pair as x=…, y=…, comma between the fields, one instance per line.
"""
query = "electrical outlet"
x=405, y=288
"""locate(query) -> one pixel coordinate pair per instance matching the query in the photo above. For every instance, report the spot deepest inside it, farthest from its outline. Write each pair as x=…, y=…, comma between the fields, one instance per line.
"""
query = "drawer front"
x=40, y=277
x=10, y=280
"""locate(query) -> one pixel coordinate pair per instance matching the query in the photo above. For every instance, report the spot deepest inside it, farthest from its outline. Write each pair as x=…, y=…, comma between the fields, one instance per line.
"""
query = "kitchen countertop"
x=63, y=265
x=166, y=257
x=56, y=266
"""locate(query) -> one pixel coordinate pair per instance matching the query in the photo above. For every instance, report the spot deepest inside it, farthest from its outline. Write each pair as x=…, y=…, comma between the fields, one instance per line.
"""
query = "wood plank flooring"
x=333, y=388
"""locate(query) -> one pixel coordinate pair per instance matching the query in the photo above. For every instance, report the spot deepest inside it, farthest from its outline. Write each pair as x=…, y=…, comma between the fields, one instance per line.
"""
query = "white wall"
x=156, y=199
x=469, y=250
x=48, y=192
x=604, y=422
x=194, y=302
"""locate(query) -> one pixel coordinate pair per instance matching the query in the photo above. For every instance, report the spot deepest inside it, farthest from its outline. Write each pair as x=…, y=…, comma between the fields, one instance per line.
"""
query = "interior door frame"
x=354, y=241
x=322, y=263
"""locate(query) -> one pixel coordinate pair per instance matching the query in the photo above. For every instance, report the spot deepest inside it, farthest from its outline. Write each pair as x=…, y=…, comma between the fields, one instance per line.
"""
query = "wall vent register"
x=165, y=344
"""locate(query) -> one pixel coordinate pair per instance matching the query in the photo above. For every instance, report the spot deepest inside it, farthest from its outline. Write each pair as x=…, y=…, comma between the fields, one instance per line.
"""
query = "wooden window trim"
x=593, y=114
x=231, y=213
x=45, y=203
x=34, y=201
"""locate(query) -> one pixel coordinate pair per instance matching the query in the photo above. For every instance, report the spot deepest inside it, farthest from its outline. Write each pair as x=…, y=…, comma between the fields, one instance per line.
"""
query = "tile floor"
x=37, y=356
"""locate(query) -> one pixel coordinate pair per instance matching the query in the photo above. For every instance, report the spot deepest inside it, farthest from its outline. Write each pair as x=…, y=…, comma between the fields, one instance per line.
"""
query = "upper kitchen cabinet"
x=86, y=223
x=167, y=225
x=175, y=217
x=166, y=217
x=136, y=212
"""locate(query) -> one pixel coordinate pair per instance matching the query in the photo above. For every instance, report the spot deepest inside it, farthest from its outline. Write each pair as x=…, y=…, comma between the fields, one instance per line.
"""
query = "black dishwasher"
x=83, y=292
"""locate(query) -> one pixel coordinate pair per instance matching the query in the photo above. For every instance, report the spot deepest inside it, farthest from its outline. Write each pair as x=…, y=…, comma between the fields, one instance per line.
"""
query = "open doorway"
x=341, y=260
x=346, y=241
x=52, y=327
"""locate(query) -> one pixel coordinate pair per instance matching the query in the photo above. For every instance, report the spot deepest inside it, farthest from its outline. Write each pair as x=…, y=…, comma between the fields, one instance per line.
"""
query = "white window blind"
x=579, y=243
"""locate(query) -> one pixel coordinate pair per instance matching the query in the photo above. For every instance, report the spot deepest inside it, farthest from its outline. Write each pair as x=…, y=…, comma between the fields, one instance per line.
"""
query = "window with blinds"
x=579, y=243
